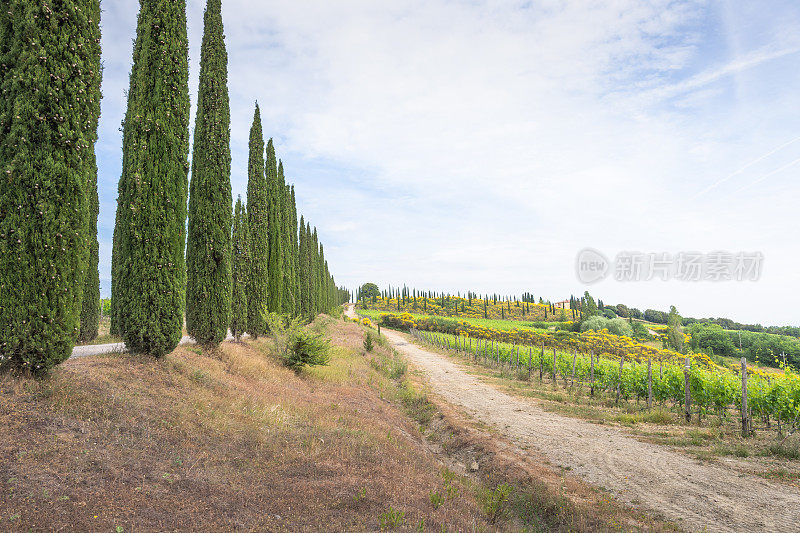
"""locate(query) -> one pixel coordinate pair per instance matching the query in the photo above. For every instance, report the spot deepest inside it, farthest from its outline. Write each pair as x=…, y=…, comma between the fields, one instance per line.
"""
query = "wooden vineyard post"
x=530, y=361
x=619, y=379
x=591, y=372
x=649, y=383
x=687, y=390
x=574, y=360
x=555, y=382
x=541, y=364
x=379, y=330
x=745, y=418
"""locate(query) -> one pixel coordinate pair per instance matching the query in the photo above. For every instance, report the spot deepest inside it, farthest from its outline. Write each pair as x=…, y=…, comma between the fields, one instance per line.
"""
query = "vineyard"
x=604, y=363
x=471, y=307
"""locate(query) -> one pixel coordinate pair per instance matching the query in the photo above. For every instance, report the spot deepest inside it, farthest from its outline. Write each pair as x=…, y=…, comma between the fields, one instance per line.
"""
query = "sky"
x=480, y=145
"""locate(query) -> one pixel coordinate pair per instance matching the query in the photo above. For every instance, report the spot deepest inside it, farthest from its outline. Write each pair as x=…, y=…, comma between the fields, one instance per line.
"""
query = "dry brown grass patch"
x=218, y=441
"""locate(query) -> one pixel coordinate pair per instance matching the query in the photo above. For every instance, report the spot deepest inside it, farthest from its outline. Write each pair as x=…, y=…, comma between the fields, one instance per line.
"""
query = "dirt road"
x=696, y=496
x=119, y=347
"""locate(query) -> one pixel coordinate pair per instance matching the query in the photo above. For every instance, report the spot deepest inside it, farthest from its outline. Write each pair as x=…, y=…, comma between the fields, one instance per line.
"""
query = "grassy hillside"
x=207, y=443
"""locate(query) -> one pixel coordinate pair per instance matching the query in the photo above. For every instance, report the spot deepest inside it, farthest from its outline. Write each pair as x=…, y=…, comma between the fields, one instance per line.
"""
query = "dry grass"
x=222, y=441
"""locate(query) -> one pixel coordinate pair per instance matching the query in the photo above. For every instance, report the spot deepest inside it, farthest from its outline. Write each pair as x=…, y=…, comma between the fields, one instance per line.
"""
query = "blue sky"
x=456, y=145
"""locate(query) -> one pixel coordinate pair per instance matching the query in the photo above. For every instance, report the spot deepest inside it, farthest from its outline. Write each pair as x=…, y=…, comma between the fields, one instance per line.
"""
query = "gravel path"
x=697, y=496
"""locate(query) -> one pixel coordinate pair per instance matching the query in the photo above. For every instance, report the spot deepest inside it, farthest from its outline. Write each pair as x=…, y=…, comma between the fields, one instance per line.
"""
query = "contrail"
x=748, y=165
x=765, y=176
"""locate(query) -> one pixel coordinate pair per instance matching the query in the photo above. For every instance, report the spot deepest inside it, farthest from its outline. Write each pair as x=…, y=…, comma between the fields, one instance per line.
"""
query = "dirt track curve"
x=696, y=496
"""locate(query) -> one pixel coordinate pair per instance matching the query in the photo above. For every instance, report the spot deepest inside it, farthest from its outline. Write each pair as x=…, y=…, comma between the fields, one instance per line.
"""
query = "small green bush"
x=436, y=498
x=617, y=326
x=296, y=346
x=391, y=519
x=493, y=502
x=368, y=342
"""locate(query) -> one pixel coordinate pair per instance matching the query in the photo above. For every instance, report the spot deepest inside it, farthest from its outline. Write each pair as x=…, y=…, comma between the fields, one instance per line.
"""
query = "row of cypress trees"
x=237, y=264
x=283, y=269
x=50, y=74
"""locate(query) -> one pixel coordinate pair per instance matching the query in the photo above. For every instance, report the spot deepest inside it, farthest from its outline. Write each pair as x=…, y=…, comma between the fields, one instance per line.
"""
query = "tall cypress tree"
x=320, y=271
x=295, y=255
x=50, y=85
x=90, y=311
x=208, y=255
x=303, y=269
x=309, y=259
x=275, y=291
x=257, y=213
x=149, y=269
x=240, y=251
x=287, y=296
x=315, y=273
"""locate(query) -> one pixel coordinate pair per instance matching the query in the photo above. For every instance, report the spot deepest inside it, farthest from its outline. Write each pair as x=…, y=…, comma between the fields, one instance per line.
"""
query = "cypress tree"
x=315, y=274
x=90, y=311
x=286, y=245
x=275, y=291
x=309, y=261
x=50, y=74
x=208, y=255
x=149, y=269
x=257, y=211
x=295, y=253
x=240, y=251
x=303, y=272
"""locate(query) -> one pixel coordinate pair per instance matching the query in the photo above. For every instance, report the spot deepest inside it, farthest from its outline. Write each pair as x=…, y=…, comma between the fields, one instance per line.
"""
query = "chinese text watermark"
x=592, y=266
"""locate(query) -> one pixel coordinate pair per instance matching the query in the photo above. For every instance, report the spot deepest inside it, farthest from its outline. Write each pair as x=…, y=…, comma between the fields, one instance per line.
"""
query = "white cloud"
x=458, y=145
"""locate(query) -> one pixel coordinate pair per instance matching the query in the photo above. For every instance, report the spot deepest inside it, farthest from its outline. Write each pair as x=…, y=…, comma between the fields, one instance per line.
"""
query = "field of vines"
x=456, y=306
x=599, y=363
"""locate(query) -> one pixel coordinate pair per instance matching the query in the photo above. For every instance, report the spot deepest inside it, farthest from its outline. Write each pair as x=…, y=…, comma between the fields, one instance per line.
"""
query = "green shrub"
x=617, y=326
x=493, y=502
x=368, y=341
x=436, y=498
x=391, y=519
x=296, y=346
